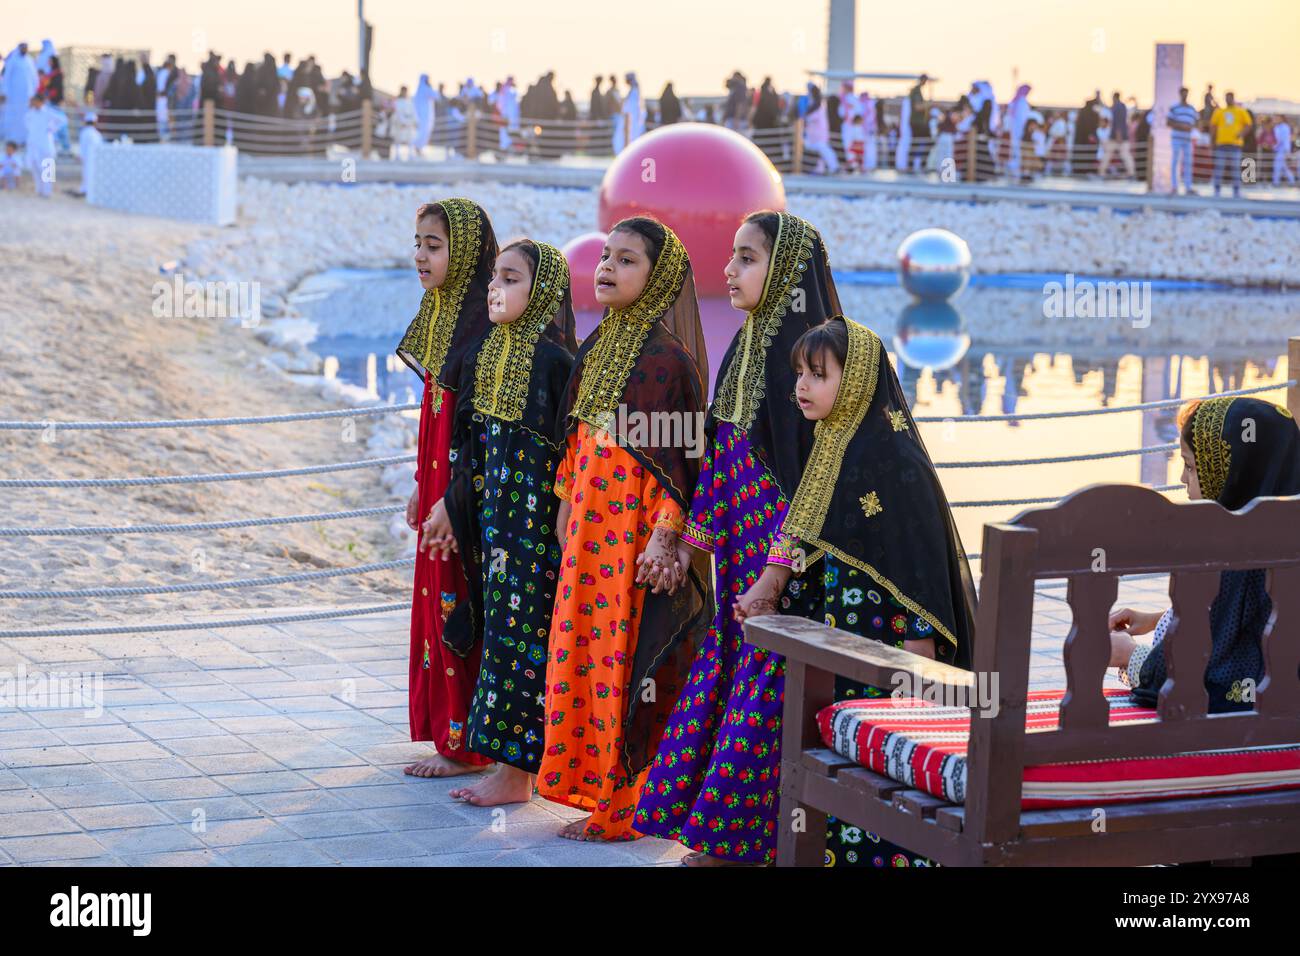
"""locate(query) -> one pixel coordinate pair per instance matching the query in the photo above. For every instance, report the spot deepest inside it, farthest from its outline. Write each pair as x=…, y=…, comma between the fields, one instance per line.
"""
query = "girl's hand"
x=562, y=523
x=761, y=598
x=1135, y=622
x=655, y=564
x=413, y=510
x=437, y=531
x=1121, y=648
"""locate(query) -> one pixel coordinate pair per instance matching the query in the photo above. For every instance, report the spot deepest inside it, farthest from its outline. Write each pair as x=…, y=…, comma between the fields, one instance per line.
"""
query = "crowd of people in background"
x=293, y=106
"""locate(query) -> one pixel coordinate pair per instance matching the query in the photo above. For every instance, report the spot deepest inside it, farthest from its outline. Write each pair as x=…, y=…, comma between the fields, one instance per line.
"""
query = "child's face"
x=511, y=284
x=747, y=270
x=817, y=384
x=1189, y=472
x=623, y=270
x=432, y=249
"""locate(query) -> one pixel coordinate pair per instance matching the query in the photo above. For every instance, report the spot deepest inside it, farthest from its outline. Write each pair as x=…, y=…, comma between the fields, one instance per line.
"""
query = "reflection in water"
x=1001, y=356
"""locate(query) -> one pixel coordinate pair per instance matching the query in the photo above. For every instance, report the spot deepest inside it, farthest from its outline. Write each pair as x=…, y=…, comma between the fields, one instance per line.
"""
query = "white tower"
x=840, y=35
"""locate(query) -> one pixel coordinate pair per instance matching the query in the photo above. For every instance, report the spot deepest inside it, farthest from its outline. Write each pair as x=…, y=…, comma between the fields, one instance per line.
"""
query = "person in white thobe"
x=20, y=85
x=635, y=113
x=40, y=123
x=89, y=140
x=404, y=126
x=424, y=112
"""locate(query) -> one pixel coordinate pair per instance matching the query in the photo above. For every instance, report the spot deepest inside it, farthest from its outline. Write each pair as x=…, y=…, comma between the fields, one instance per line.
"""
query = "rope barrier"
x=208, y=625
x=1060, y=459
x=1007, y=502
x=196, y=526
x=199, y=479
x=1084, y=412
x=208, y=585
x=210, y=422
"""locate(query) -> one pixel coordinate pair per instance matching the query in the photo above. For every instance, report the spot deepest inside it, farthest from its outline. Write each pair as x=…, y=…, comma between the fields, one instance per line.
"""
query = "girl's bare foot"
x=577, y=830
x=440, y=766
x=505, y=785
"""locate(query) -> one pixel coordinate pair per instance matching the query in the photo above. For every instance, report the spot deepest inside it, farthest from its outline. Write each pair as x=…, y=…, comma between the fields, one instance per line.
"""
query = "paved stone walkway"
x=281, y=745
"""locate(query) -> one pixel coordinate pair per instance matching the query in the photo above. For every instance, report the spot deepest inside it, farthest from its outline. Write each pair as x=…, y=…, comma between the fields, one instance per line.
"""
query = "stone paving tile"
x=21, y=801
x=212, y=809
x=242, y=707
x=250, y=783
x=36, y=823
x=60, y=847
x=330, y=824
x=23, y=739
x=207, y=746
x=43, y=757
x=110, y=753
x=162, y=769
x=117, y=816
x=89, y=795
x=368, y=846
x=102, y=734
x=345, y=717
x=239, y=832
x=203, y=857
x=151, y=839
x=179, y=788
x=235, y=763
x=308, y=704
x=275, y=854
x=296, y=802
x=173, y=729
x=44, y=778
x=209, y=695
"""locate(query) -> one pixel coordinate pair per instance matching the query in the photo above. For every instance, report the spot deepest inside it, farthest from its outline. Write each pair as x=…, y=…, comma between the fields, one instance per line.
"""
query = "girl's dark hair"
x=433, y=209
x=832, y=335
x=528, y=249
x=650, y=230
x=769, y=222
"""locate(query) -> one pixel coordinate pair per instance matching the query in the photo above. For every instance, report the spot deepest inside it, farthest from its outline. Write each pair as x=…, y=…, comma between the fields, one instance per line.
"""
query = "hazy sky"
x=1065, y=49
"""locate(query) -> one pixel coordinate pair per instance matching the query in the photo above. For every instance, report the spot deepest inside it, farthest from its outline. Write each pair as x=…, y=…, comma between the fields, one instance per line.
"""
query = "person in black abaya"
x=670, y=108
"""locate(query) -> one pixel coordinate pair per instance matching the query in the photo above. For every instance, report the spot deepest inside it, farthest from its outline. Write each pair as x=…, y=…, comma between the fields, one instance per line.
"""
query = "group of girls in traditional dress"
x=580, y=592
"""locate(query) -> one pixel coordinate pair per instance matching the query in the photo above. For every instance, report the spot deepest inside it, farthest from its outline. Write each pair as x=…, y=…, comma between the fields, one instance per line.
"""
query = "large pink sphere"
x=700, y=180
x=583, y=252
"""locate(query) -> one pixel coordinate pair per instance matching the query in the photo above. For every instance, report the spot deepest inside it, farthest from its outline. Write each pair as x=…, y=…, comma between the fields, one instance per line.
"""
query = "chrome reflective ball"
x=934, y=264
x=930, y=335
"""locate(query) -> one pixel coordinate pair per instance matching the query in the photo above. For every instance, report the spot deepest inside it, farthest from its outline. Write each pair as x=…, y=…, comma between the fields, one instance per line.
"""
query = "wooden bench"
x=1139, y=531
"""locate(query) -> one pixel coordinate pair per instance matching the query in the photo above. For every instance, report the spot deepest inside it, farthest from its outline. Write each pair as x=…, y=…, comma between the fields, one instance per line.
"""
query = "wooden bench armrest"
x=850, y=655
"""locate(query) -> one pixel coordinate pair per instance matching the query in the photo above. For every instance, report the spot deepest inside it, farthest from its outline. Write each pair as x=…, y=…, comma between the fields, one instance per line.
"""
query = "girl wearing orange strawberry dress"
x=619, y=649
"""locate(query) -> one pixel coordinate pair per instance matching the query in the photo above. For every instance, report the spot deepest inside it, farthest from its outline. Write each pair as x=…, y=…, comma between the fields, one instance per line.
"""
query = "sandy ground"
x=78, y=341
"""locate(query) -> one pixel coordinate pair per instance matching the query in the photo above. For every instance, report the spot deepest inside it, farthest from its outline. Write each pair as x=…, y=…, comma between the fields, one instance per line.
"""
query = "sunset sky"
x=1065, y=49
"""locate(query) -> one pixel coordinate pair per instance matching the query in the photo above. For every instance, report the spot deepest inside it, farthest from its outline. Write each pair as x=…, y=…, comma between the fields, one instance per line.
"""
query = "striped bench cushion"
x=923, y=745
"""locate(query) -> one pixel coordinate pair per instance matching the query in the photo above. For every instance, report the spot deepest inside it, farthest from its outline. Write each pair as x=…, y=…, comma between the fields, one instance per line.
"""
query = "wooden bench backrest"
x=1091, y=538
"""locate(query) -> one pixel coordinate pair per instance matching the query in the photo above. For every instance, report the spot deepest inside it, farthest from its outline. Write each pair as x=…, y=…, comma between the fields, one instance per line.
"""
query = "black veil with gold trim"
x=638, y=359
x=871, y=497
x=452, y=320
x=755, y=385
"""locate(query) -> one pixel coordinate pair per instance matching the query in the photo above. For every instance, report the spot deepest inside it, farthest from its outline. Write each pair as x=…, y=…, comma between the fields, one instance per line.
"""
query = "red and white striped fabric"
x=923, y=745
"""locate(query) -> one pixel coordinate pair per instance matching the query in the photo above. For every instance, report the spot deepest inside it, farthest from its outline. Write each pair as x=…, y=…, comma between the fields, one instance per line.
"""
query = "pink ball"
x=698, y=179
x=583, y=253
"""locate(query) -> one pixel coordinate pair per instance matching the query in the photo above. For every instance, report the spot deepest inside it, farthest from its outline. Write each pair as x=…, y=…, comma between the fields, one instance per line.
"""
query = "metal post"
x=1293, y=371
x=209, y=123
